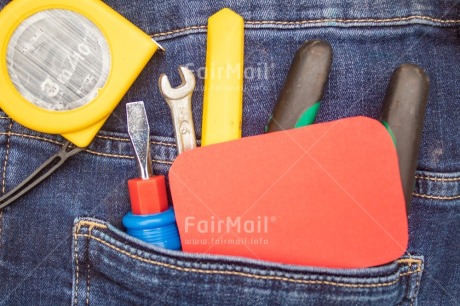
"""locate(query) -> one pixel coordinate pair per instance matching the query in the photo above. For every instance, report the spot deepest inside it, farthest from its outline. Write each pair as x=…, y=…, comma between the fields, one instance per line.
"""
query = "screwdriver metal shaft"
x=150, y=218
x=139, y=132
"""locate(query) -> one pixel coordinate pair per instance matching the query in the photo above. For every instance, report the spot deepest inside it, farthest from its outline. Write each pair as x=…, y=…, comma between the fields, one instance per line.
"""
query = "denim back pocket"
x=112, y=268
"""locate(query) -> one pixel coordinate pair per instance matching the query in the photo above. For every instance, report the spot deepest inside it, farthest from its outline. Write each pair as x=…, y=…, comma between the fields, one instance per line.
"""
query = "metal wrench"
x=179, y=100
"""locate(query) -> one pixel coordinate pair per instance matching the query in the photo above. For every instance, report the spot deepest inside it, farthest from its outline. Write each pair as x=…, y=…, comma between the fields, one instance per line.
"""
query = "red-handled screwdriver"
x=150, y=218
x=147, y=193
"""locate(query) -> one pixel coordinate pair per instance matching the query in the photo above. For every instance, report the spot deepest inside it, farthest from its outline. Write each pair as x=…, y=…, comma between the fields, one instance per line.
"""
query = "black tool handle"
x=404, y=112
x=45, y=170
x=304, y=85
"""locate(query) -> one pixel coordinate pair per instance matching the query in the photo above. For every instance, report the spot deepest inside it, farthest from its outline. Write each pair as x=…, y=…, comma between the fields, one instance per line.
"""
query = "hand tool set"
x=333, y=194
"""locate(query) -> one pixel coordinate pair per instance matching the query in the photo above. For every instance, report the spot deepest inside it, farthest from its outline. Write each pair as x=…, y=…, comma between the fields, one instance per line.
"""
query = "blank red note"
x=325, y=195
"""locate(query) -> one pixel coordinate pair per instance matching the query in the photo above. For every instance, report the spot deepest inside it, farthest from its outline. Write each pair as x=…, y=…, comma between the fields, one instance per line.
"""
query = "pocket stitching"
x=88, y=272
x=86, y=150
x=254, y=276
x=437, y=179
x=416, y=289
x=317, y=21
x=427, y=196
x=166, y=144
x=77, y=267
x=5, y=163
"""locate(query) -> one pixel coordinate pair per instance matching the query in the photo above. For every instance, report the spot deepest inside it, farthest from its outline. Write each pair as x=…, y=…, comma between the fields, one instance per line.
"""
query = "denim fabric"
x=110, y=266
x=63, y=242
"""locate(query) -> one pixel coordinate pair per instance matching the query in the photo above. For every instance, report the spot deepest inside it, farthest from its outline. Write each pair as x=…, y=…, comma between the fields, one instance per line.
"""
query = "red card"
x=325, y=195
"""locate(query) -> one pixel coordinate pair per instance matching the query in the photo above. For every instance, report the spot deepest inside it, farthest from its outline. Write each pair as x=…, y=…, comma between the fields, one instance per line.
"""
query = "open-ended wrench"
x=179, y=100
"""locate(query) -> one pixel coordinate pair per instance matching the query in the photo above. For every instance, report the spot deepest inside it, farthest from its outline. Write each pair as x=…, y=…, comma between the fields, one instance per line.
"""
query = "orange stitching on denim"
x=112, y=138
x=109, y=154
x=361, y=20
x=330, y=20
x=242, y=274
x=7, y=152
x=409, y=272
x=8, y=134
x=32, y=137
x=419, y=278
x=200, y=27
x=87, y=282
x=409, y=260
x=86, y=150
x=88, y=272
x=435, y=197
x=417, y=284
x=163, y=143
x=1, y=227
x=438, y=179
x=127, y=139
x=126, y=156
x=77, y=267
x=99, y=136
x=417, y=270
x=91, y=224
x=162, y=162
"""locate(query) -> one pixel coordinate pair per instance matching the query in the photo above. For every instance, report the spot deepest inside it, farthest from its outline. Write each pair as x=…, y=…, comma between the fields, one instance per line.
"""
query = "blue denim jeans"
x=64, y=242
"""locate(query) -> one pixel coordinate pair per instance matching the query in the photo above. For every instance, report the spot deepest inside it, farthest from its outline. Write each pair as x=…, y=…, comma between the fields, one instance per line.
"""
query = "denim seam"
x=427, y=196
x=87, y=282
x=86, y=150
x=77, y=267
x=32, y=137
x=127, y=140
x=412, y=293
x=420, y=177
x=416, y=289
x=8, y=135
x=315, y=21
x=97, y=136
x=125, y=156
x=7, y=152
x=167, y=162
x=437, y=179
x=1, y=226
x=88, y=271
x=248, y=275
x=358, y=20
x=91, y=225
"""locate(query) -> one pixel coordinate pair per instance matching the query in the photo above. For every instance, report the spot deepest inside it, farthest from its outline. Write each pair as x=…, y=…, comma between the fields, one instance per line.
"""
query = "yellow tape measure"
x=65, y=64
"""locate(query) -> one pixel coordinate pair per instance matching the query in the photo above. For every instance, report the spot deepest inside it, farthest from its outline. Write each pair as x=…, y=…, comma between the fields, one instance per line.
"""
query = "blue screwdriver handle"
x=159, y=229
